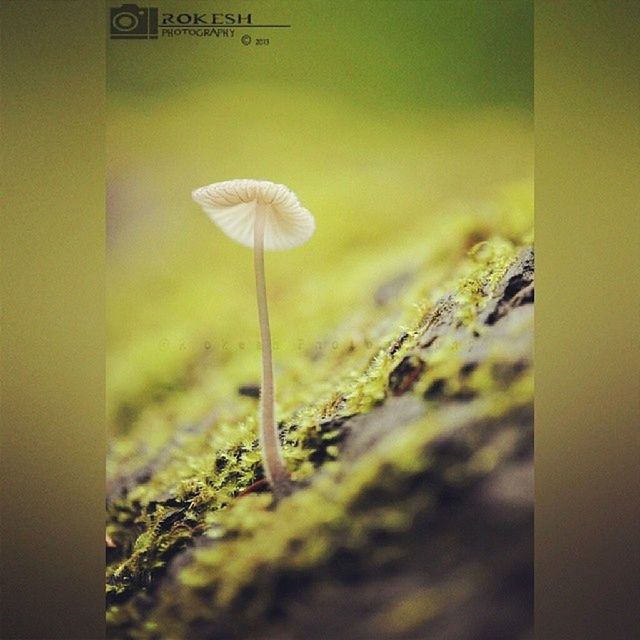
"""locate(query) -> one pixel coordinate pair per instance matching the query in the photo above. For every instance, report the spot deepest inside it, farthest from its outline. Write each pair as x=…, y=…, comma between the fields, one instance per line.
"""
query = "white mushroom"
x=265, y=216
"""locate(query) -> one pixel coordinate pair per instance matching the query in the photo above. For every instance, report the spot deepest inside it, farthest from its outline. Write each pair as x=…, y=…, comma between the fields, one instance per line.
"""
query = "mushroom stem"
x=274, y=466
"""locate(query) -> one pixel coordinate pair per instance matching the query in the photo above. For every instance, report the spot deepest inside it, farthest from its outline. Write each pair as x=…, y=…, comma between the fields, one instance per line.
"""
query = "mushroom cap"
x=233, y=206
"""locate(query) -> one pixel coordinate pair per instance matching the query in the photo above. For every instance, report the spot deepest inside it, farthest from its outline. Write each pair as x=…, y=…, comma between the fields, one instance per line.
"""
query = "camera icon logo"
x=131, y=22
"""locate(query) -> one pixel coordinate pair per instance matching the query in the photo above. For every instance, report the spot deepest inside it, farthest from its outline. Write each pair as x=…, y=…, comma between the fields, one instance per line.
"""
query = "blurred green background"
x=386, y=118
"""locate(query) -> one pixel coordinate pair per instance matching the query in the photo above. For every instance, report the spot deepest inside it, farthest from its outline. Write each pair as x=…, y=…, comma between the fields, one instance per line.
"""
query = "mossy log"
x=413, y=514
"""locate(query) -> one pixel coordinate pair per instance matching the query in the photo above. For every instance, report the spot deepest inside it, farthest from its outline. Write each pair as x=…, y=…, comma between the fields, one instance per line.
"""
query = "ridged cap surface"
x=233, y=206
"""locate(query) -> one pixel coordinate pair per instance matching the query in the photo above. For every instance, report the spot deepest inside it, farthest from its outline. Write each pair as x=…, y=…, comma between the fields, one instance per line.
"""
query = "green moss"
x=303, y=533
